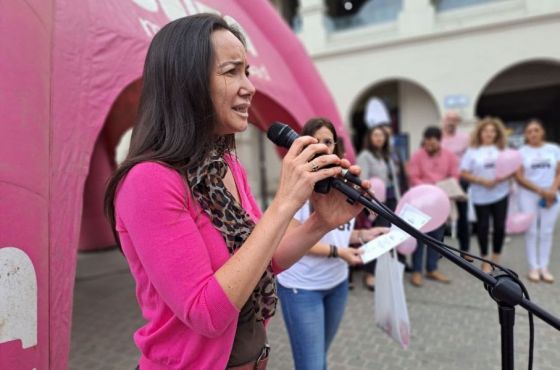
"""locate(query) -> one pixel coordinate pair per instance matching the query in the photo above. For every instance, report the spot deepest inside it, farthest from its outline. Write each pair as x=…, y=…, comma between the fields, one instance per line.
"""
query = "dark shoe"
x=408, y=268
x=416, y=279
x=438, y=276
x=369, y=282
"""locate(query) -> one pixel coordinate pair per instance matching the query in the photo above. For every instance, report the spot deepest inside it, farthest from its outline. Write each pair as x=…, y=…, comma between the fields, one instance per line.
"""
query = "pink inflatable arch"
x=70, y=85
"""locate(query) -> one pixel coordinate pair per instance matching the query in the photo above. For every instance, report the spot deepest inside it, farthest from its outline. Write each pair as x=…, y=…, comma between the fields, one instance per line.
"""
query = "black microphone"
x=281, y=134
x=284, y=136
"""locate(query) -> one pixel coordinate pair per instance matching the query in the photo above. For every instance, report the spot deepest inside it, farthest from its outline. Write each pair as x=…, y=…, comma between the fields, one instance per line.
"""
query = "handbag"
x=391, y=312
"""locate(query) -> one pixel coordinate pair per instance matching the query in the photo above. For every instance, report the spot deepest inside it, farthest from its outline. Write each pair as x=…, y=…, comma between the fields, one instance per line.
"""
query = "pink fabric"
x=173, y=251
x=64, y=65
x=25, y=134
x=456, y=143
x=426, y=169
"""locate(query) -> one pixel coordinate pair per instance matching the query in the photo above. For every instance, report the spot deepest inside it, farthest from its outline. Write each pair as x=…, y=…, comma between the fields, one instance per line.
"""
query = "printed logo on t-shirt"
x=490, y=163
x=540, y=164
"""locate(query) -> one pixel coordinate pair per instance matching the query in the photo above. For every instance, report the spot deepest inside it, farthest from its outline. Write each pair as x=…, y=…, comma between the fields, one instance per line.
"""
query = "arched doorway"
x=523, y=91
x=257, y=154
x=95, y=232
x=411, y=108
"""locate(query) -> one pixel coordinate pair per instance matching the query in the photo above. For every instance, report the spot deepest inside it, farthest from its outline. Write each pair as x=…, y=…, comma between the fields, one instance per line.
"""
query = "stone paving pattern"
x=453, y=326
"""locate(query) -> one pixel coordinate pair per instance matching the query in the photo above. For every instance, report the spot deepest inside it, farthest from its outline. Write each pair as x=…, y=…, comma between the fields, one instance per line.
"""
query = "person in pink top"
x=458, y=142
x=452, y=139
x=202, y=254
x=429, y=165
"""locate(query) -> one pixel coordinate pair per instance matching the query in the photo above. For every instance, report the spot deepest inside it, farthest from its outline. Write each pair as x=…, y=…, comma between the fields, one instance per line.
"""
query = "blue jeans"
x=312, y=318
x=433, y=256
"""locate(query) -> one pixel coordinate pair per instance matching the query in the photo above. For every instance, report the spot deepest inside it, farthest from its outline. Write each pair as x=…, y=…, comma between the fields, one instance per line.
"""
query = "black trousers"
x=498, y=211
x=463, y=225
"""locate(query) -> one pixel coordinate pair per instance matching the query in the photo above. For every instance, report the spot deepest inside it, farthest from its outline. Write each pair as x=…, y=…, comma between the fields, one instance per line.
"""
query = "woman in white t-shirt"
x=539, y=177
x=313, y=292
x=488, y=194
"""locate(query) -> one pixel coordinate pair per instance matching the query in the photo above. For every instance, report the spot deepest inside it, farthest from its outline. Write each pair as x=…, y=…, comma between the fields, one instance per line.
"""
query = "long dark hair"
x=383, y=152
x=176, y=117
x=315, y=124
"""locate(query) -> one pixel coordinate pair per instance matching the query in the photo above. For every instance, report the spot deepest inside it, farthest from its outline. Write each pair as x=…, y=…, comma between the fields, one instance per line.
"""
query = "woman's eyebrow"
x=235, y=62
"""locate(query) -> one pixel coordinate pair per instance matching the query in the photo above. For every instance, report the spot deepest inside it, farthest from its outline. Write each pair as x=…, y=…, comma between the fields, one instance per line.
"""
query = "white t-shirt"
x=481, y=162
x=318, y=272
x=539, y=164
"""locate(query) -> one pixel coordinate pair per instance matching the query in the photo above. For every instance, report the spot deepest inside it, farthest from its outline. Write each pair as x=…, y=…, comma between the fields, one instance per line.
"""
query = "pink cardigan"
x=173, y=250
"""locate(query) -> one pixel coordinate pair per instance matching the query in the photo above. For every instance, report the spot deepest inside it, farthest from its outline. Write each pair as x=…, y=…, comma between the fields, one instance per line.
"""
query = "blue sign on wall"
x=456, y=101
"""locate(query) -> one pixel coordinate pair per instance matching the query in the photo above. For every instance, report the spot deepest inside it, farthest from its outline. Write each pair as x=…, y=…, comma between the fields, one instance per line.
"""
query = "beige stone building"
x=422, y=58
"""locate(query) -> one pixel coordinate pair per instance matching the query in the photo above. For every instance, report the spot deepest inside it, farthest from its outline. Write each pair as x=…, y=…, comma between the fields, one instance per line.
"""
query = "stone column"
x=313, y=33
x=416, y=17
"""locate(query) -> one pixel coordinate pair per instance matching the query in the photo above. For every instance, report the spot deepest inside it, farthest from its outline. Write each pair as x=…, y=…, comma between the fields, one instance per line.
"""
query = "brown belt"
x=258, y=364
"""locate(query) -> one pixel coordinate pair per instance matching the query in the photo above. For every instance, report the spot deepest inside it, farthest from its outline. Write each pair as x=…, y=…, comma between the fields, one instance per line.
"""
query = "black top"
x=250, y=337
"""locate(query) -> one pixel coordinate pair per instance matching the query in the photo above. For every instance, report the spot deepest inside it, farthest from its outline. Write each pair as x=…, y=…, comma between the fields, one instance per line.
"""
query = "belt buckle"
x=264, y=353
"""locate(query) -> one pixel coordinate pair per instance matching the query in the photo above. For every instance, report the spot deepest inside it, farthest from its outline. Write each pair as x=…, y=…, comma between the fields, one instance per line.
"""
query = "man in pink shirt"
x=429, y=165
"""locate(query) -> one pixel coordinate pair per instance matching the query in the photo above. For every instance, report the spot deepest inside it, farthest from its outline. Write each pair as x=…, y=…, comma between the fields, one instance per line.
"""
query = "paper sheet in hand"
x=395, y=236
x=452, y=188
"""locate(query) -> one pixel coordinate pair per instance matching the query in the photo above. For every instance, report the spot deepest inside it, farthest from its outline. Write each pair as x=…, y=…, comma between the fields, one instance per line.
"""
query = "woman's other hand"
x=350, y=255
x=549, y=195
x=488, y=183
x=332, y=208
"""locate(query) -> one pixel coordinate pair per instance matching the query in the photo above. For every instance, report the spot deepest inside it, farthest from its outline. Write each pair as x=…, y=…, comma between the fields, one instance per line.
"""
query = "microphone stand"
x=501, y=286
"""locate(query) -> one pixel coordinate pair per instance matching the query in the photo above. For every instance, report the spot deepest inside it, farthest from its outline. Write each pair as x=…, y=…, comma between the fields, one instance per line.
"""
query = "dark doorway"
x=519, y=106
x=525, y=91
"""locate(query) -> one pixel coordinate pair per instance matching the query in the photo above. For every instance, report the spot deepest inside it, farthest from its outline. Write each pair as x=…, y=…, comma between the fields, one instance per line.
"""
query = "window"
x=345, y=14
x=288, y=9
x=443, y=5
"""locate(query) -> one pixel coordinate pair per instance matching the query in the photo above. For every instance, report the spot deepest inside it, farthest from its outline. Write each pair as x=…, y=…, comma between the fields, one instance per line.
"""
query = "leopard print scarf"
x=235, y=225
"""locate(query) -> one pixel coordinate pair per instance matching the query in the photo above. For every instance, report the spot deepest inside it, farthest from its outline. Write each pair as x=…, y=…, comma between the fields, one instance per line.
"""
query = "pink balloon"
x=379, y=188
x=429, y=199
x=518, y=223
x=407, y=247
x=508, y=162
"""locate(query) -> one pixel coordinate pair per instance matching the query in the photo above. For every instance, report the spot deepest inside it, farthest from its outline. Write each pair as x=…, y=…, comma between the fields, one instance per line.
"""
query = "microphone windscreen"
x=281, y=134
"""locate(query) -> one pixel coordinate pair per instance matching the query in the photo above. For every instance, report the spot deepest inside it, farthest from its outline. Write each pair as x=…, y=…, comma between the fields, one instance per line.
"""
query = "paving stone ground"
x=453, y=326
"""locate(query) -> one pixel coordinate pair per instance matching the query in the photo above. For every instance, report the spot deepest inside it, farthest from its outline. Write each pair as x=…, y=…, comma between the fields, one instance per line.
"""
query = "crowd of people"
x=210, y=266
x=473, y=165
